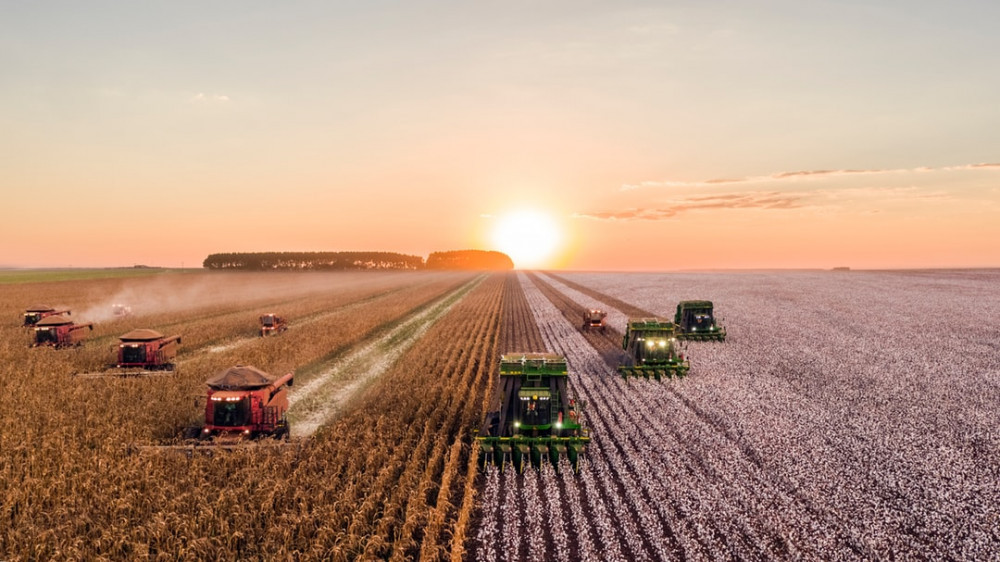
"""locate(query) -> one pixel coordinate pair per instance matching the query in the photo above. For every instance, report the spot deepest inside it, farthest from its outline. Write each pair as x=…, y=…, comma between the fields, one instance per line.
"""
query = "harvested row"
x=849, y=420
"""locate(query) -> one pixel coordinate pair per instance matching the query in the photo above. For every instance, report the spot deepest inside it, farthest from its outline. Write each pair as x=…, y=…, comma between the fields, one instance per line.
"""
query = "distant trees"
x=469, y=259
x=333, y=261
x=320, y=261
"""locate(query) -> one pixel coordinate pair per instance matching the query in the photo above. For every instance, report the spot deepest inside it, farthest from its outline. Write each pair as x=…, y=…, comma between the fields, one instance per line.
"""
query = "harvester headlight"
x=517, y=423
x=663, y=343
x=558, y=425
x=206, y=430
x=650, y=344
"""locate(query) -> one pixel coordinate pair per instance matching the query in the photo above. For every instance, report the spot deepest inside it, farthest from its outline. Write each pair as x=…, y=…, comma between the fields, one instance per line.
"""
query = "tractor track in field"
x=672, y=399
x=325, y=394
x=308, y=319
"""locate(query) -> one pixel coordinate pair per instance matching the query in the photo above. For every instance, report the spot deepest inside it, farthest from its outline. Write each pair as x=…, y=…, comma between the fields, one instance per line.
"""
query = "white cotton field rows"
x=847, y=416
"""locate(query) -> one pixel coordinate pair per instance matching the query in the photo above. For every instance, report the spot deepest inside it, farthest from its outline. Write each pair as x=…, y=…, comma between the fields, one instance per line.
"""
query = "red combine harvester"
x=121, y=310
x=142, y=353
x=147, y=350
x=271, y=324
x=35, y=313
x=593, y=319
x=58, y=331
x=245, y=403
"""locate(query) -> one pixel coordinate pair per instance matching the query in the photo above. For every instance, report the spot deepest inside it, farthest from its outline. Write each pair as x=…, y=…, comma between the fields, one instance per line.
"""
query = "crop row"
x=847, y=416
x=70, y=489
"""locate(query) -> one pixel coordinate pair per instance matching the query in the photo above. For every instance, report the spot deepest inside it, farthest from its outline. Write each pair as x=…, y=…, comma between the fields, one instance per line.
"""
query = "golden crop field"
x=388, y=476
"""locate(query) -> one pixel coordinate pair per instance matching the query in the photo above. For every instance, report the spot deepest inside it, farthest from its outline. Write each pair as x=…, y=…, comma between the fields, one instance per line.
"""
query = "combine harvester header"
x=537, y=421
x=652, y=349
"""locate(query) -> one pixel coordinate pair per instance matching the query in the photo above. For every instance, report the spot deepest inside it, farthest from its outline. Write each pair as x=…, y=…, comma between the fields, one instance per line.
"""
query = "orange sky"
x=655, y=135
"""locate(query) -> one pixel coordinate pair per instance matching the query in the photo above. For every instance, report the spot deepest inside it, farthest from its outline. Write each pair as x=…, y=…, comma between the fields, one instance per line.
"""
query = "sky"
x=641, y=135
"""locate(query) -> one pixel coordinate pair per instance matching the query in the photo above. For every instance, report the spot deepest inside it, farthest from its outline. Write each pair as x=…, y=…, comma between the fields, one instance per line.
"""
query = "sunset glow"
x=528, y=236
x=722, y=135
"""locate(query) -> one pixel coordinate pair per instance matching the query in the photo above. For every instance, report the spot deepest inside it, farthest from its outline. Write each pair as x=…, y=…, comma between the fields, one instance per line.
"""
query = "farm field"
x=847, y=416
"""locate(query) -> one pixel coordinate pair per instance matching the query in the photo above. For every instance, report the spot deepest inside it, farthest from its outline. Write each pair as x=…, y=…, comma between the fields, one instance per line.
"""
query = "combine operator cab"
x=271, y=324
x=652, y=349
x=537, y=421
x=695, y=321
x=58, y=331
x=246, y=403
x=594, y=319
x=35, y=314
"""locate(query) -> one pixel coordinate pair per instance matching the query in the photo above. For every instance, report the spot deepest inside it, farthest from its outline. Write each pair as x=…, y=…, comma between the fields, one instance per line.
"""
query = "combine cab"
x=593, y=319
x=695, y=321
x=35, y=313
x=58, y=331
x=537, y=421
x=245, y=403
x=271, y=324
x=653, y=351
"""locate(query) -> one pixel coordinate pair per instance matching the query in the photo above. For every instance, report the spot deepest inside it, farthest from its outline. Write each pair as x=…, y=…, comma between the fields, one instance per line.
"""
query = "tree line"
x=336, y=261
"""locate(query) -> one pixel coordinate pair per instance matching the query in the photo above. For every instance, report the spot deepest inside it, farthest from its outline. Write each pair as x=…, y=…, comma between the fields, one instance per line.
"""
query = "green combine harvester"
x=695, y=321
x=653, y=351
x=537, y=421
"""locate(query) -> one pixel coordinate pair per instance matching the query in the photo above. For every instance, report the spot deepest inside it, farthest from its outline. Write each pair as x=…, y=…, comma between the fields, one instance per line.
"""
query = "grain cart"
x=271, y=324
x=593, y=319
x=537, y=421
x=35, y=313
x=245, y=403
x=58, y=331
x=652, y=350
x=695, y=321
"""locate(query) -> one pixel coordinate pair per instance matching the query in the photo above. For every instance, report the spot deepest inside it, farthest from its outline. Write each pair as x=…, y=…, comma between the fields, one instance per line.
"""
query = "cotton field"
x=849, y=415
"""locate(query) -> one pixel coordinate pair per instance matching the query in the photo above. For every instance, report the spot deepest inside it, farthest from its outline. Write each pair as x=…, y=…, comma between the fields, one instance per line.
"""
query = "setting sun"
x=528, y=236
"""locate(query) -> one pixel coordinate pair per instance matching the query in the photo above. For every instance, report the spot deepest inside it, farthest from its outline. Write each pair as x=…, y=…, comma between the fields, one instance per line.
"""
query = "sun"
x=528, y=236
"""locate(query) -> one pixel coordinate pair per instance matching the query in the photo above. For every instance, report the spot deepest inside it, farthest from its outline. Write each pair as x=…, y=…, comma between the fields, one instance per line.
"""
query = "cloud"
x=749, y=200
x=209, y=98
x=806, y=174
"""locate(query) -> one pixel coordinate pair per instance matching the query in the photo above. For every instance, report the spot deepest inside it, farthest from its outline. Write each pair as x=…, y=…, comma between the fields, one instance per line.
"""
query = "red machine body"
x=34, y=314
x=58, y=331
x=271, y=324
x=245, y=402
x=147, y=349
x=121, y=310
x=594, y=319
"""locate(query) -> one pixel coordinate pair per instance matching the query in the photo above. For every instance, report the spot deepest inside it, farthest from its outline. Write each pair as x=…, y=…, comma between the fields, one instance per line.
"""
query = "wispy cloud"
x=806, y=174
x=209, y=98
x=863, y=199
x=749, y=200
